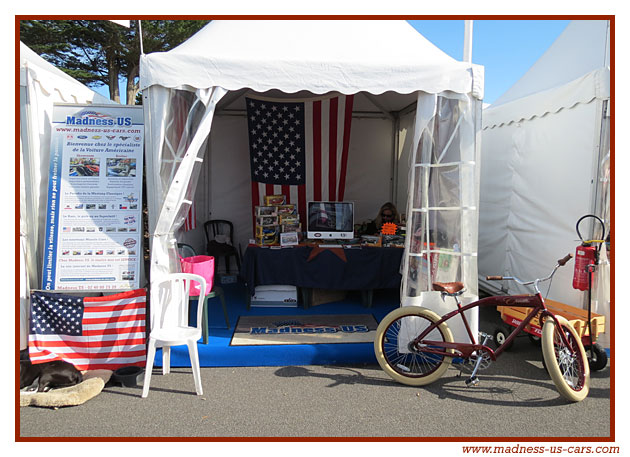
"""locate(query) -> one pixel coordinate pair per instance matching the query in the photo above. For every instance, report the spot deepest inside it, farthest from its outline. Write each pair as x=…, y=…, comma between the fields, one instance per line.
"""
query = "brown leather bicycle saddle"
x=448, y=287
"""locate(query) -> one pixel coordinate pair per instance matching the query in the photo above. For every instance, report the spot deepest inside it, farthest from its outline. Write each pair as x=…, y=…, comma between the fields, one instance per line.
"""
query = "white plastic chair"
x=169, y=324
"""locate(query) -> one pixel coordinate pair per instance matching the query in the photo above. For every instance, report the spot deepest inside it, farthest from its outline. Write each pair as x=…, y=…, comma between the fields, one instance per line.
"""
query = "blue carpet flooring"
x=219, y=353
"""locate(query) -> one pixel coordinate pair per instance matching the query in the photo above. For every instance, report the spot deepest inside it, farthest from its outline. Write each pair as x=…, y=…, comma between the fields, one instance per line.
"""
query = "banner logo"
x=91, y=117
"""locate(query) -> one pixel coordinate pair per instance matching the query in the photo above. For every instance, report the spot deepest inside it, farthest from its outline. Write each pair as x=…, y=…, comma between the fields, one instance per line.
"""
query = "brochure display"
x=94, y=213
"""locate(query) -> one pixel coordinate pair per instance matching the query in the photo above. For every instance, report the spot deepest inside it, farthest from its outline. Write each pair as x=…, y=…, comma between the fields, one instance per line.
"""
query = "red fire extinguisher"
x=586, y=257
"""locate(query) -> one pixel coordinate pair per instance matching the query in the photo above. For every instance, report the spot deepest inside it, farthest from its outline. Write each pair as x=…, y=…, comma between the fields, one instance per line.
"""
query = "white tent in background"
x=545, y=162
x=393, y=71
x=41, y=85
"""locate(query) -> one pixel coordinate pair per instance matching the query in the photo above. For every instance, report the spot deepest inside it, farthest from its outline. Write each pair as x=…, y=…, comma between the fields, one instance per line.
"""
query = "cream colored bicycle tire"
x=551, y=361
x=382, y=359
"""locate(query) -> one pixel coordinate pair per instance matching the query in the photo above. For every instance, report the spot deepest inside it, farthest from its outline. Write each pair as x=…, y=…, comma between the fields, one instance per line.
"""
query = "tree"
x=101, y=52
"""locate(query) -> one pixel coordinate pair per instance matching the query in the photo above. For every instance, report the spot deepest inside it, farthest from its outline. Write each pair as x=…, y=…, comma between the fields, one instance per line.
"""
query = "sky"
x=506, y=48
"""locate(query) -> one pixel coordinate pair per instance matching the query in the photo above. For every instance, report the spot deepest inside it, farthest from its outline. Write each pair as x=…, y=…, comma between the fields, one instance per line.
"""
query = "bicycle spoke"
x=568, y=363
x=404, y=360
x=565, y=359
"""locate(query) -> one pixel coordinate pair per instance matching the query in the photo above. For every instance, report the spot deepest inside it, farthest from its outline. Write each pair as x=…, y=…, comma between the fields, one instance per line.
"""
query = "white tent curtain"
x=41, y=86
x=441, y=242
x=32, y=193
x=530, y=197
x=24, y=254
x=178, y=123
x=600, y=299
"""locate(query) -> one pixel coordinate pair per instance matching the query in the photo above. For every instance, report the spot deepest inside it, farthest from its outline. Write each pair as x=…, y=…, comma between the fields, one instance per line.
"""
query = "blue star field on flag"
x=277, y=143
x=54, y=314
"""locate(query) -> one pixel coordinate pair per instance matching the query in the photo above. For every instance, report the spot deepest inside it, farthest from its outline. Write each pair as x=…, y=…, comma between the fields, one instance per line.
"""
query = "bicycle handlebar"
x=562, y=262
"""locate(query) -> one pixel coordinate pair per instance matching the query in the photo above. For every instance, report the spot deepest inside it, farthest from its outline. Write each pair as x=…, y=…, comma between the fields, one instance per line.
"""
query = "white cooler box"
x=283, y=296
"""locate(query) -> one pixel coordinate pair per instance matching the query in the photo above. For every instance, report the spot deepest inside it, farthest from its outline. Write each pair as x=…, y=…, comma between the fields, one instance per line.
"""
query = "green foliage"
x=100, y=53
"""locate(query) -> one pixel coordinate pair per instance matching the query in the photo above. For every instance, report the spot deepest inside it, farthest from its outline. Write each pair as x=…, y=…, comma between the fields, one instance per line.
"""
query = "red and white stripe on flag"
x=111, y=333
x=327, y=124
x=190, y=223
x=179, y=139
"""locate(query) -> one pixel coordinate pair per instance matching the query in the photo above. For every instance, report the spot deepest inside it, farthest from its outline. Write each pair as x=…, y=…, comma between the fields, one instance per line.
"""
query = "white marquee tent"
x=41, y=85
x=394, y=72
x=545, y=164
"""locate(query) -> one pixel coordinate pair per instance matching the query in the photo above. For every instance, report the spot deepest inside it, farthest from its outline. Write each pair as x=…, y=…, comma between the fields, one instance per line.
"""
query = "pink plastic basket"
x=201, y=265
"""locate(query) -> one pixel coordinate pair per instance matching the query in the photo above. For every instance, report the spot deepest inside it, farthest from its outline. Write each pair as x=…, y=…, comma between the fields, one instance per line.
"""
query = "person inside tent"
x=387, y=213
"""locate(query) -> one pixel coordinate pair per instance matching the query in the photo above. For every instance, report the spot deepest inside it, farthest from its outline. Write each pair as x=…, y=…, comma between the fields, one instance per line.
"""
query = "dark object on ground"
x=51, y=374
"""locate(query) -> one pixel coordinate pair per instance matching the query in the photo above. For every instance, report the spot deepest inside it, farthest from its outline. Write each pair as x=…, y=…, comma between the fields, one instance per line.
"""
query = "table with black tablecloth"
x=364, y=268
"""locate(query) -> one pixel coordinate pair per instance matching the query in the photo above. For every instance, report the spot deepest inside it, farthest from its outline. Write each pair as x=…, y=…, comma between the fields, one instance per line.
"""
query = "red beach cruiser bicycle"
x=414, y=345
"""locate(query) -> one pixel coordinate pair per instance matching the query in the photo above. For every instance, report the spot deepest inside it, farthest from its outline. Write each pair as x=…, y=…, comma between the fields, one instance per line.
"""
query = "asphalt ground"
x=515, y=399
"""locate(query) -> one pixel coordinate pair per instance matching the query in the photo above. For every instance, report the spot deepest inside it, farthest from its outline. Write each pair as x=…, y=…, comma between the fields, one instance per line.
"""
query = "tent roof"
x=52, y=79
x=573, y=70
x=581, y=48
x=318, y=56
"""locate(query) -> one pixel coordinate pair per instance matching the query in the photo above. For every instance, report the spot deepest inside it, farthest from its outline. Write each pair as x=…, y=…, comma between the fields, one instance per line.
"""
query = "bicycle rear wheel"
x=570, y=373
x=405, y=365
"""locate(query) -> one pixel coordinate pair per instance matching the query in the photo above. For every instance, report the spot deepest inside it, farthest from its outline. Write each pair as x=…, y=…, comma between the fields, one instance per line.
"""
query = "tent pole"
x=395, y=158
x=140, y=36
x=376, y=103
x=468, y=29
x=229, y=99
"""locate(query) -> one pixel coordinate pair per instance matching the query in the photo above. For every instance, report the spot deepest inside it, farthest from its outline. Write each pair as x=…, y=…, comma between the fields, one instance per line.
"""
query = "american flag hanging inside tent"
x=299, y=149
x=90, y=332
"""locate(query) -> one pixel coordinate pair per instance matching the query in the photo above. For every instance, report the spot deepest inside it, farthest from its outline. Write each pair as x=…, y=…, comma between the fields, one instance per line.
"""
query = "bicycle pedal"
x=485, y=337
x=472, y=382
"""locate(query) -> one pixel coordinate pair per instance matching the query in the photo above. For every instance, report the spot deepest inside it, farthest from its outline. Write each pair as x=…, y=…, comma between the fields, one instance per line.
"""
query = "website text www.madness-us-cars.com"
x=525, y=450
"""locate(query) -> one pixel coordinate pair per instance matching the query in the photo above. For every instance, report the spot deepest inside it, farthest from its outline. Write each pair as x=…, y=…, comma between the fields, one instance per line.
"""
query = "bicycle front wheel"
x=404, y=364
x=570, y=373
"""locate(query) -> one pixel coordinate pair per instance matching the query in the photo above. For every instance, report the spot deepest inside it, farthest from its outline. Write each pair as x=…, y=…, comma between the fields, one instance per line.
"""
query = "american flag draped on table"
x=88, y=332
x=299, y=149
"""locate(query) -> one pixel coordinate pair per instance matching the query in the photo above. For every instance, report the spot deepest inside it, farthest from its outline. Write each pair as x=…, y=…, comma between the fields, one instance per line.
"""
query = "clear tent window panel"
x=182, y=121
x=178, y=123
x=442, y=205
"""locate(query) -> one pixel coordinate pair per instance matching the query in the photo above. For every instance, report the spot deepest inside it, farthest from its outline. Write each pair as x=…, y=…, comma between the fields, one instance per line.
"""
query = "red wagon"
x=577, y=317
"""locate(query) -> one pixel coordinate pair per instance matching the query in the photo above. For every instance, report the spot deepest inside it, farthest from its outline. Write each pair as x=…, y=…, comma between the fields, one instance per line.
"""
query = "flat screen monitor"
x=330, y=221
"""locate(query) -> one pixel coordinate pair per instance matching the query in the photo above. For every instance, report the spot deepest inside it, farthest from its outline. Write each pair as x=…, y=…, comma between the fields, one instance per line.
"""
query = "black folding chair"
x=218, y=231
